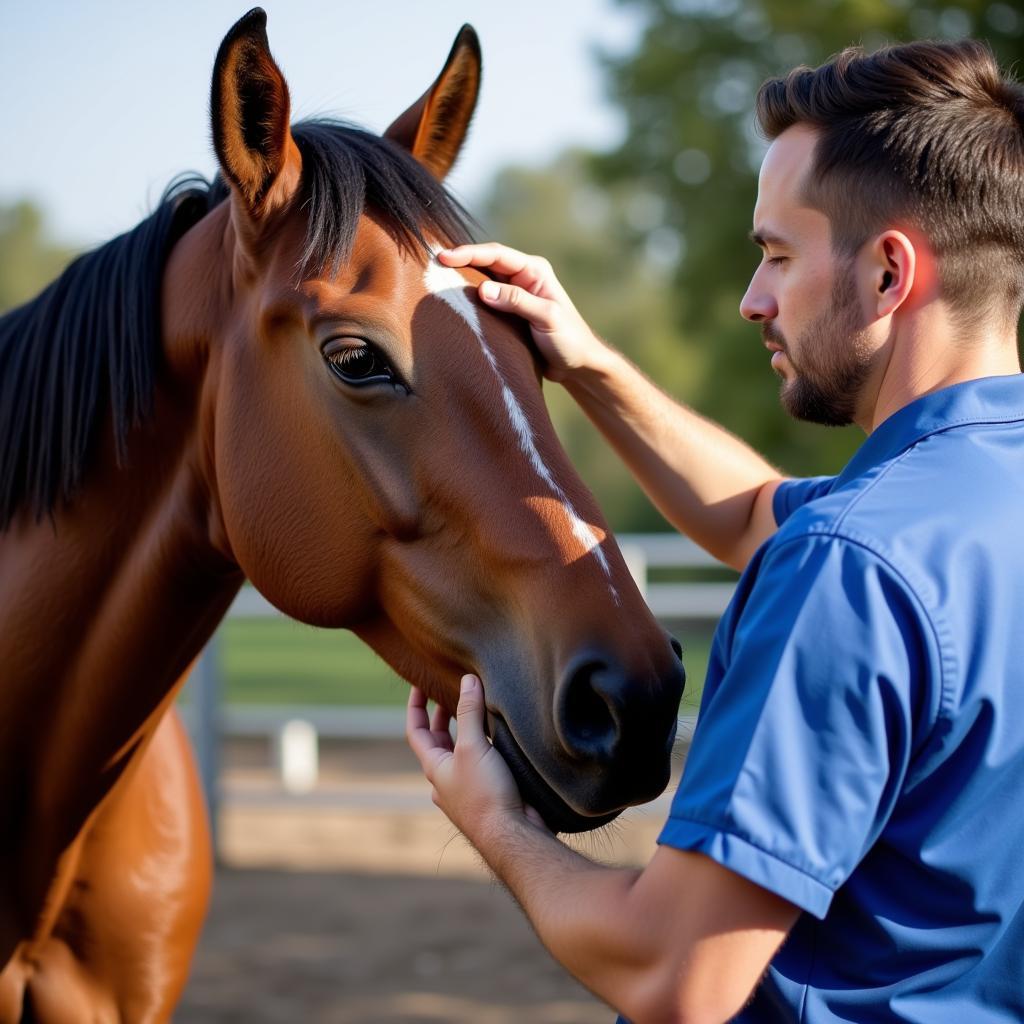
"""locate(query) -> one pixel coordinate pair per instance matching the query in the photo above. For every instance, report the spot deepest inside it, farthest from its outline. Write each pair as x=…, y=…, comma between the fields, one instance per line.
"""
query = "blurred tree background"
x=650, y=239
x=29, y=258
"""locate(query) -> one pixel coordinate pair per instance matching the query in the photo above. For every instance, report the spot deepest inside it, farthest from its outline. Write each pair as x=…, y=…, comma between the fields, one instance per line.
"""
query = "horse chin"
x=535, y=791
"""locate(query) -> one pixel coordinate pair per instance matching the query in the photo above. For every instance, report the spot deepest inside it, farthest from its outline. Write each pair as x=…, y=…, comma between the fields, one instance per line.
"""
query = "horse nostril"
x=587, y=714
x=677, y=647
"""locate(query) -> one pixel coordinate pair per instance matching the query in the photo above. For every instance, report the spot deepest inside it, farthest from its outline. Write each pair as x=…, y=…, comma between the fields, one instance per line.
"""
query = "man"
x=854, y=782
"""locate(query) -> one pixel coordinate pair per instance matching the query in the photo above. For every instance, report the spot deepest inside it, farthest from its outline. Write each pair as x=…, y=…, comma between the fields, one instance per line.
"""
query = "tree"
x=687, y=93
x=590, y=235
x=28, y=260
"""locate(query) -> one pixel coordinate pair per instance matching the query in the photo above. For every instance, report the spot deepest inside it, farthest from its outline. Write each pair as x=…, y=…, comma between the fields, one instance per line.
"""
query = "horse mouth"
x=535, y=791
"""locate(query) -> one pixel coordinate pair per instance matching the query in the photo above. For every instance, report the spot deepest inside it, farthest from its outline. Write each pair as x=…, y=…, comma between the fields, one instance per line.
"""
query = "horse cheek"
x=283, y=494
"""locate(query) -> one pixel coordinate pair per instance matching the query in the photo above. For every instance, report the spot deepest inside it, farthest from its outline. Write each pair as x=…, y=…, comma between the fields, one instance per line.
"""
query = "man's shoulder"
x=947, y=507
x=966, y=479
x=846, y=512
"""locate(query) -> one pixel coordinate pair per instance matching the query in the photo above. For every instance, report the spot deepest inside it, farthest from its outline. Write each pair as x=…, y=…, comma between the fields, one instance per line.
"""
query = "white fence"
x=643, y=552
x=296, y=729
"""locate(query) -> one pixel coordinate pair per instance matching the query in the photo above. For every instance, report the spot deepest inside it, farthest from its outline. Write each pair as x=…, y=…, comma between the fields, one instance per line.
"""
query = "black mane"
x=91, y=339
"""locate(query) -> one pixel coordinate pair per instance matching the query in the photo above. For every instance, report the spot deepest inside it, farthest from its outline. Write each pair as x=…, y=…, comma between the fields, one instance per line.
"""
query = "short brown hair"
x=926, y=134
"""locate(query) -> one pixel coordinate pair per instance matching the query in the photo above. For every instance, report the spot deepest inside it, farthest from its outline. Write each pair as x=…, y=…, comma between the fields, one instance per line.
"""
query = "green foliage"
x=590, y=235
x=650, y=240
x=28, y=260
x=688, y=93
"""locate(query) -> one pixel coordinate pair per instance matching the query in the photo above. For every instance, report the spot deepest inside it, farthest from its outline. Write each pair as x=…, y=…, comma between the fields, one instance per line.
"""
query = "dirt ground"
x=356, y=904
x=350, y=948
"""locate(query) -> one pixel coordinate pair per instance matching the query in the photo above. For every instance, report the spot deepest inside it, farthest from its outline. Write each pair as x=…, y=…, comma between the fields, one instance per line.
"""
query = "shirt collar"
x=986, y=400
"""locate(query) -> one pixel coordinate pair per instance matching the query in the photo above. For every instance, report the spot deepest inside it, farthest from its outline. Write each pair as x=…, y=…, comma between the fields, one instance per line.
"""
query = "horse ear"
x=434, y=128
x=250, y=109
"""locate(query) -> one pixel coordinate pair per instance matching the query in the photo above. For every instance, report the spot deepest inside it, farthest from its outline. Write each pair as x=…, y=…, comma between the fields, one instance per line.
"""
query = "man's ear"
x=892, y=265
x=249, y=111
x=434, y=128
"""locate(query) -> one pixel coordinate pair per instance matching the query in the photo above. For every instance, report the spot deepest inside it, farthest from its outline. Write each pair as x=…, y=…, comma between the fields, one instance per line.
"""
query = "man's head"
x=912, y=151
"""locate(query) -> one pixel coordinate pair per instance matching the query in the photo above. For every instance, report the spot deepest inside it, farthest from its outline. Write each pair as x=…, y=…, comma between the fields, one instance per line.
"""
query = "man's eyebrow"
x=766, y=238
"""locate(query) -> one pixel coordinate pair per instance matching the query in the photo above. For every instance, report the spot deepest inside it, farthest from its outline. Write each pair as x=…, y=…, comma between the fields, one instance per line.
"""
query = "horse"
x=272, y=378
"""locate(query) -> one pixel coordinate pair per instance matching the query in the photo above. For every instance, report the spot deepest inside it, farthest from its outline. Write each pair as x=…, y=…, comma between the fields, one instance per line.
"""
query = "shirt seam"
x=715, y=827
x=947, y=655
x=870, y=485
x=782, y=492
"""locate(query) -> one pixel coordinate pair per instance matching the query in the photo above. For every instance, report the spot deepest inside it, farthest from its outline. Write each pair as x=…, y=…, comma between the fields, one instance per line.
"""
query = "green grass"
x=277, y=661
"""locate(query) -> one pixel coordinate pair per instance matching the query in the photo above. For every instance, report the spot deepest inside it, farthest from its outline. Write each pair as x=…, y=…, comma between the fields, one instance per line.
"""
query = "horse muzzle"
x=606, y=746
x=556, y=812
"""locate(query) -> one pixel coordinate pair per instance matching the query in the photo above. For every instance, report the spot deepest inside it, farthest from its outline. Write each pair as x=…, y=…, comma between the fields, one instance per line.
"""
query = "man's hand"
x=528, y=287
x=472, y=784
x=684, y=939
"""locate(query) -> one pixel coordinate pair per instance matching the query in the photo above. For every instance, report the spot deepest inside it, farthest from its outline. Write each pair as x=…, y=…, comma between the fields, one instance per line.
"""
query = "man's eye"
x=358, y=364
x=775, y=260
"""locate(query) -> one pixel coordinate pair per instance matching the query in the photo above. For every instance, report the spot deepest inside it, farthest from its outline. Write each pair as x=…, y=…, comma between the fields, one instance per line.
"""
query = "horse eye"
x=358, y=364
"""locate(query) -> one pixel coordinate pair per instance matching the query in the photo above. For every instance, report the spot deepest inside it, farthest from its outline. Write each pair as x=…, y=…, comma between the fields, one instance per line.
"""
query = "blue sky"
x=106, y=100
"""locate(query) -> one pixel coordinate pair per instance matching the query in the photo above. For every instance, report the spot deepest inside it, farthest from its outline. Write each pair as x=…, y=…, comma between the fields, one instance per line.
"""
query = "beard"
x=835, y=360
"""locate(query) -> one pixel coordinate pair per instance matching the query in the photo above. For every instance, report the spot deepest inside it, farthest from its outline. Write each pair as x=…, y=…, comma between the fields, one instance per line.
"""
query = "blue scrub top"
x=860, y=745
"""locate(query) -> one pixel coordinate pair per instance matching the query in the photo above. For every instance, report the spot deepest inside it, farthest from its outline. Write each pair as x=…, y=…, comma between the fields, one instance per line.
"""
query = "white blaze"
x=451, y=287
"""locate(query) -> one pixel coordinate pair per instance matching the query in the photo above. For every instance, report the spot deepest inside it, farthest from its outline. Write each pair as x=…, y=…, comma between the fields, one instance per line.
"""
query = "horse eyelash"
x=343, y=355
x=340, y=357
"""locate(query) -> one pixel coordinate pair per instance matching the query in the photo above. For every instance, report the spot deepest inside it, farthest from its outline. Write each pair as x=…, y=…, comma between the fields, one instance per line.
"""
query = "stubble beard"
x=835, y=361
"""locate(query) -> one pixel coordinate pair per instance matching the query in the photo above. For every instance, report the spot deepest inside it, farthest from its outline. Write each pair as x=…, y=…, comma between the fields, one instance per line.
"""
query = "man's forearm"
x=579, y=910
x=684, y=939
x=706, y=482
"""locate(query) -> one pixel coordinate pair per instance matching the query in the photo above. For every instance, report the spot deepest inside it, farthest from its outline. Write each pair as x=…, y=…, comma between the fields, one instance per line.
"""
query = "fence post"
x=636, y=562
x=206, y=730
x=298, y=755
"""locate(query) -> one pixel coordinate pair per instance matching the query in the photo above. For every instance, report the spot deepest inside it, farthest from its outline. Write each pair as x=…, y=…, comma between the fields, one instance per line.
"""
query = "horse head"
x=380, y=455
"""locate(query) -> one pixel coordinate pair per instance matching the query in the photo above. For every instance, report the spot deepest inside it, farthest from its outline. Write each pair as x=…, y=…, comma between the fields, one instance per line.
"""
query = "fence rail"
x=642, y=552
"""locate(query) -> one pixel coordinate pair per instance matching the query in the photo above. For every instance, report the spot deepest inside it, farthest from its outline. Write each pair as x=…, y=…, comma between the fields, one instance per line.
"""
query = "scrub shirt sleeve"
x=801, y=746
x=792, y=494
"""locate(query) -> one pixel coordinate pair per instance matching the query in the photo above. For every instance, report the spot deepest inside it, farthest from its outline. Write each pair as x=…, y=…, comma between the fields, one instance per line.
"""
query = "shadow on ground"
x=349, y=948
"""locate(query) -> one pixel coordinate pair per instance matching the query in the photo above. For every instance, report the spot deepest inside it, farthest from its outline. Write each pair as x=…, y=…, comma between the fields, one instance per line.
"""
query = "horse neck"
x=106, y=604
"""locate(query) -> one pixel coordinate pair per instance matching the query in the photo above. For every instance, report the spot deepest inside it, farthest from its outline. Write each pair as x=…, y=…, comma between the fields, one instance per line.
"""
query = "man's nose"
x=757, y=303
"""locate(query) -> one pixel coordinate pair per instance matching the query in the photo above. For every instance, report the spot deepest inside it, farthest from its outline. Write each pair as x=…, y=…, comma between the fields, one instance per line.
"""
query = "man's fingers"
x=499, y=258
x=440, y=721
x=531, y=273
x=425, y=745
x=537, y=312
x=416, y=711
x=470, y=713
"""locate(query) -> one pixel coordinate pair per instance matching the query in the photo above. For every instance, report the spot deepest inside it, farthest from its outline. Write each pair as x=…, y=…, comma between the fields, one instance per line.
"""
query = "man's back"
x=877, y=760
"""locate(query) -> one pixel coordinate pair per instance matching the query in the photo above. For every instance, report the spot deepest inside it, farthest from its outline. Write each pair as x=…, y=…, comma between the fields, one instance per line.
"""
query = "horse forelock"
x=448, y=285
x=348, y=172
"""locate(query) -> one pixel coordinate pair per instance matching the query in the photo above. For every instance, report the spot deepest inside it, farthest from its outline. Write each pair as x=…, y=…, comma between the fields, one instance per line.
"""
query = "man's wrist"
x=601, y=365
x=501, y=836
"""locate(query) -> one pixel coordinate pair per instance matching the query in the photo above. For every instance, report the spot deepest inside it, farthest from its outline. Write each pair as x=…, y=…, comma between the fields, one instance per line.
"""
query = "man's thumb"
x=470, y=712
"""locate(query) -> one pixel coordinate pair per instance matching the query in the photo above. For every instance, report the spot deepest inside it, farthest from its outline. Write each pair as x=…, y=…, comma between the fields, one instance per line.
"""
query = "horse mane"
x=91, y=339
x=92, y=334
